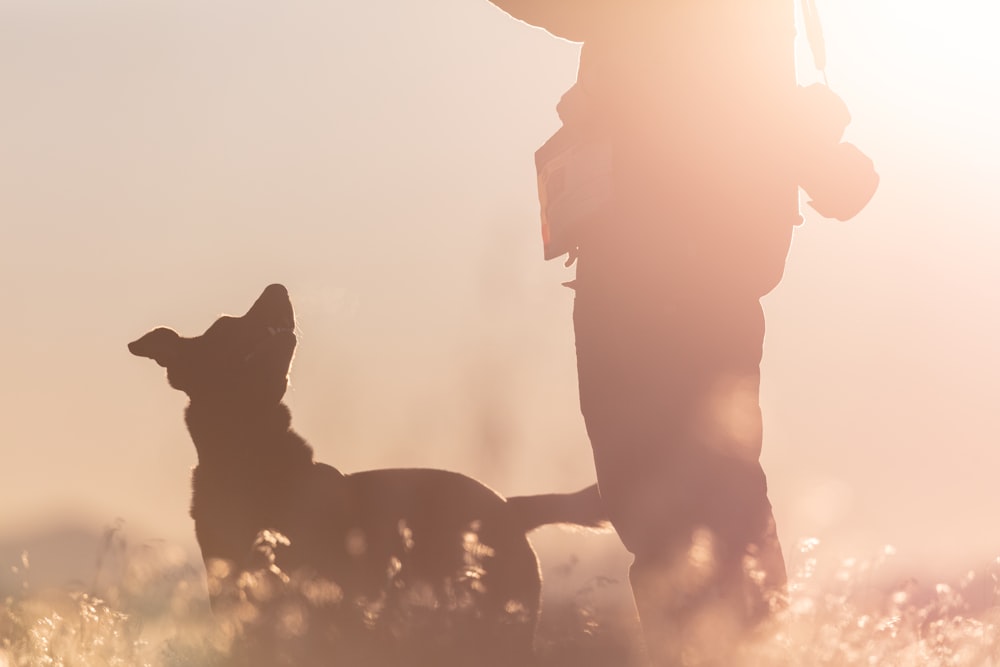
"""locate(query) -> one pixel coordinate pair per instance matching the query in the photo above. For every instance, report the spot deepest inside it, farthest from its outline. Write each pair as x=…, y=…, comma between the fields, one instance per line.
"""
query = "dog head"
x=238, y=362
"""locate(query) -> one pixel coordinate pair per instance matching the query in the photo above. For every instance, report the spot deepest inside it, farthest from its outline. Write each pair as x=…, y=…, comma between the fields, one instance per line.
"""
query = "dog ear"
x=160, y=345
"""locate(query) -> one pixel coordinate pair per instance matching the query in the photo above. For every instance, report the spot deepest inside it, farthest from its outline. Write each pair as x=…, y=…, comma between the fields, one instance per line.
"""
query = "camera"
x=839, y=179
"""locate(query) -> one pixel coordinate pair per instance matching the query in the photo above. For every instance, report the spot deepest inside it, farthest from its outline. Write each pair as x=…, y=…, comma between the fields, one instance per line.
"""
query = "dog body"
x=383, y=567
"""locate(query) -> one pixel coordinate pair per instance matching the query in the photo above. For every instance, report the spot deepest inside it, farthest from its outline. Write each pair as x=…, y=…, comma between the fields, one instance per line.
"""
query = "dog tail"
x=583, y=508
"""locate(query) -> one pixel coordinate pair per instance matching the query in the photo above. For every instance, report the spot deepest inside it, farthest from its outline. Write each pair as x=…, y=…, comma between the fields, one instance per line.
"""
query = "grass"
x=146, y=606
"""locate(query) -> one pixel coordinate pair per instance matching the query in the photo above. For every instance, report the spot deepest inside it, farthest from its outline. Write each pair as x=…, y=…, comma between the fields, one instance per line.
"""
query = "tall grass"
x=862, y=612
x=146, y=606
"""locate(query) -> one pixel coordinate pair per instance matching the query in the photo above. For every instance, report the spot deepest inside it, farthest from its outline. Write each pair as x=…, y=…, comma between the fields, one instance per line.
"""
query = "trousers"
x=668, y=359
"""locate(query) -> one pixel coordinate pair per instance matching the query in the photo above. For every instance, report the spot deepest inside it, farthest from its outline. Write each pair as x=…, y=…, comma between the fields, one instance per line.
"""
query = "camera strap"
x=814, y=35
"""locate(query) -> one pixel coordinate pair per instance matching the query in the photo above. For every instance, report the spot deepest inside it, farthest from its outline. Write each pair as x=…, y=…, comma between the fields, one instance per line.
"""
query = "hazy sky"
x=162, y=161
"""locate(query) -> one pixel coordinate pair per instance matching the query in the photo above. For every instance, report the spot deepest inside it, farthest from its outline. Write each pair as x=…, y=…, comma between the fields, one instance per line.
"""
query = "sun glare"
x=937, y=51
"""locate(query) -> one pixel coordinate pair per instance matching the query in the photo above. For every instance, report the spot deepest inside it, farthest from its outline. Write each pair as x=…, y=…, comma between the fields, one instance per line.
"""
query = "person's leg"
x=668, y=389
x=699, y=602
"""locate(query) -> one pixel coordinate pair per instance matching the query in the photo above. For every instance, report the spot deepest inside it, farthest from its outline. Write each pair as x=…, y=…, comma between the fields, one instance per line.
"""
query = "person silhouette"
x=673, y=184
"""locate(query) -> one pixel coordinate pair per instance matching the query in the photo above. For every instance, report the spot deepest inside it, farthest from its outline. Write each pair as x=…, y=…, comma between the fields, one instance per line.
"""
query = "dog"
x=314, y=566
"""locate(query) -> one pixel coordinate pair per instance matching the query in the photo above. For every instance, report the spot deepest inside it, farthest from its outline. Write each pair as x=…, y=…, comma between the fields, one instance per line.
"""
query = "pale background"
x=161, y=161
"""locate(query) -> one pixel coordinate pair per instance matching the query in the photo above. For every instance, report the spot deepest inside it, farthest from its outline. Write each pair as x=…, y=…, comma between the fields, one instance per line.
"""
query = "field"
x=146, y=606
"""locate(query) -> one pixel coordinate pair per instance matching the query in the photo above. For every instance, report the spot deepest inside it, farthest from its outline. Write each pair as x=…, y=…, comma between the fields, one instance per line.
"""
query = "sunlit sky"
x=162, y=161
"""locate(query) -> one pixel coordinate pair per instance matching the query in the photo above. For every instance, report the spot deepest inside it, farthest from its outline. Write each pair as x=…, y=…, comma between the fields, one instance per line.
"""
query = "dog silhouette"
x=312, y=566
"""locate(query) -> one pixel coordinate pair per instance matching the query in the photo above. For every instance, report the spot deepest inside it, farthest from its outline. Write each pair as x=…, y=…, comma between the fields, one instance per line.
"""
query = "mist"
x=161, y=162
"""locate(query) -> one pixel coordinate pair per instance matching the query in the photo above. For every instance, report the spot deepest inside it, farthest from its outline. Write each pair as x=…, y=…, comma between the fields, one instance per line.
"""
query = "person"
x=683, y=146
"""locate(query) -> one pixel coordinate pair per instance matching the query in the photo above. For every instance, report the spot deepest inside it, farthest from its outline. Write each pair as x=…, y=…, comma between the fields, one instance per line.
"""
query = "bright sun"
x=934, y=66
x=922, y=41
